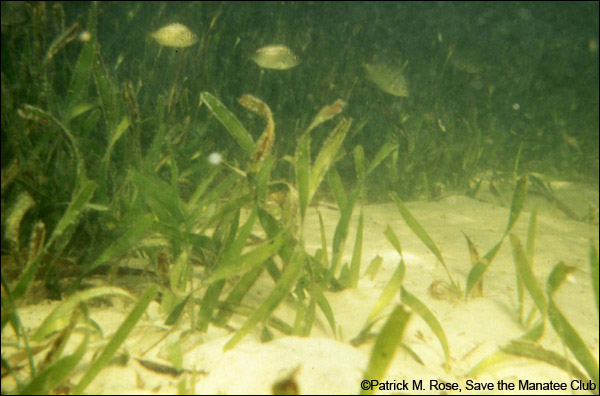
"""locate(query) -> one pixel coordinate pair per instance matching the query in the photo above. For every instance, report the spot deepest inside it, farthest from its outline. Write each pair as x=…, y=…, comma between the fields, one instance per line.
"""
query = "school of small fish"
x=385, y=76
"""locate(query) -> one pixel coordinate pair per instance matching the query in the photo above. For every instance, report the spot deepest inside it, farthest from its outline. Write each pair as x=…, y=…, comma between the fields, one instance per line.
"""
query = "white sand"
x=475, y=328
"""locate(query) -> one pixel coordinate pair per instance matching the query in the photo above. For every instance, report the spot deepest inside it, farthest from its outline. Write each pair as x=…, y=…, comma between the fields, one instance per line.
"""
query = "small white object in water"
x=215, y=158
x=84, y=36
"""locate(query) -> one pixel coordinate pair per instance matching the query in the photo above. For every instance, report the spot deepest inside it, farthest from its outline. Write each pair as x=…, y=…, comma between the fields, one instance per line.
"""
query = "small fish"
x=175, y=35
x=387, y=78
x=277, y=57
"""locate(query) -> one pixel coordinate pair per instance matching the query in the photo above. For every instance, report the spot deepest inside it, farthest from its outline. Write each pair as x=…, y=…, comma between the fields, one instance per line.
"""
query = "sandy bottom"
x=320, y=364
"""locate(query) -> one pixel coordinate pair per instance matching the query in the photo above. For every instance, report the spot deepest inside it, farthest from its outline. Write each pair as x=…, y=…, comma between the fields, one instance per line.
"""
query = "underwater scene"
x=300, y=197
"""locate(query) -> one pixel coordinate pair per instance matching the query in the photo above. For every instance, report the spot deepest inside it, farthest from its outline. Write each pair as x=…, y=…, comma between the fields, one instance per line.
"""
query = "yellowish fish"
x=277, y=57
x=175, y=35
x=388, y=78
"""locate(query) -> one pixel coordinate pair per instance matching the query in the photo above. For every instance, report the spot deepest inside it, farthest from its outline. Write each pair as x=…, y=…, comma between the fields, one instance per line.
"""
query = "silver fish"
x=388, y=78
x=277, y=57
x=175, y=35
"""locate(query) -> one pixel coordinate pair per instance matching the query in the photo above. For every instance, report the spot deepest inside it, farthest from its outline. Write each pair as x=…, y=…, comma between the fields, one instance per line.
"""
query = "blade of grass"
x=309, y=319
x=116, y=134
x=232, y=251
x=248, y=261
x=516, y=167
x=82, y=108
x=154, y=153
x=420, y=232
x=178, y=273
x=69, y=219
x=106, y=93
x=365, y=334
x=359, y=163
x=325, y=258
x=535, y=351
x=528, y=348
x=356, y=254
x=116, y=341
x=302, y=167
x=393, y=239
x=36, y=114
x=123, y=243
x=159, y=196
x=421, y=309
x=381, y=155
x=60, y=42
x=230, y=122
x=212, y=196
x=385, y=346
x=525, y=273
x=531, y=230
x=269, y=223
x=572, y=340
x=236, y=294
x=262, y=178
x=327, y=155
x=517, y=203
x=301, y=316
x=529, y=252
x=593, y=258
x=201, y=189
x=81, y=76
x=209, y=301
x=12, y=222
x=393, y=284
x=281, y=289
x=563, y=327
x=485, y=364
x=10, y=313
x=478, y=290
x=59, y=317
x=319, y=297
x=476, y=274
x=56, y=373
x=176, y=312
x=477, y=271
x=374, y=266
x=272, y=321
x=388, y=293
x=335, y=183
x=326, y=113
x=341, y=231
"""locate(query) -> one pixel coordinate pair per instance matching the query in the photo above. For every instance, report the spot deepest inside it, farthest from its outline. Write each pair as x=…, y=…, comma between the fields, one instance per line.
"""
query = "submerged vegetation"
x=183, y=154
